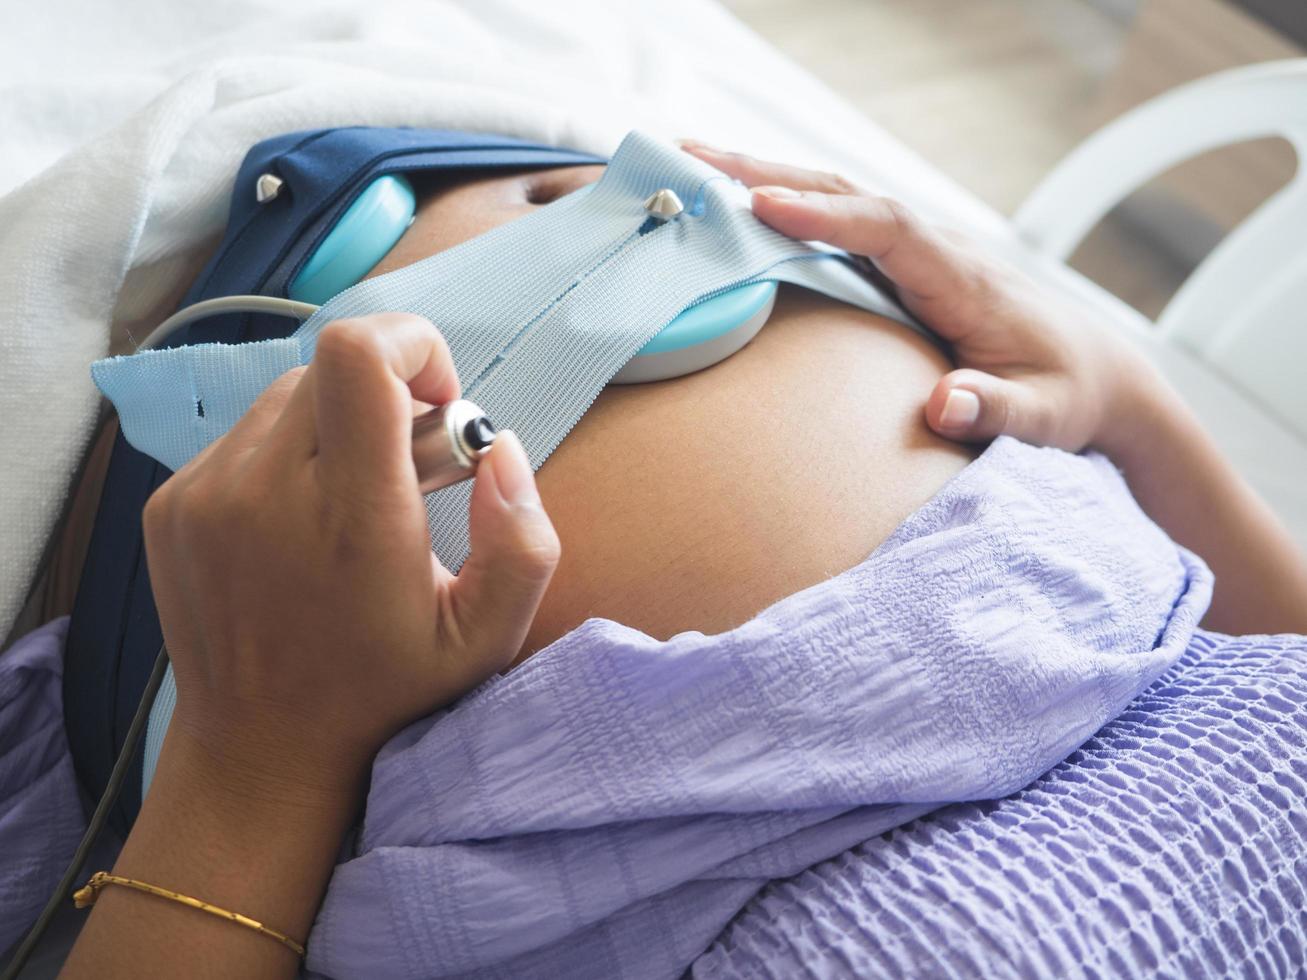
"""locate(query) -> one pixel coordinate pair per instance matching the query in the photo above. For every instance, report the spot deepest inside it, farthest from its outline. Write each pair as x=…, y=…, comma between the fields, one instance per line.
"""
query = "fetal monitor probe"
x=708, y=331
x=703, y=334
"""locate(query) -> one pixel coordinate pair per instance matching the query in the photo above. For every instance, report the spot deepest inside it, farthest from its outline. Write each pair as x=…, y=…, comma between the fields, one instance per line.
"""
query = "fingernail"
x=699, y=145
x=513, y=477
x=961, y=409
x=778, y=193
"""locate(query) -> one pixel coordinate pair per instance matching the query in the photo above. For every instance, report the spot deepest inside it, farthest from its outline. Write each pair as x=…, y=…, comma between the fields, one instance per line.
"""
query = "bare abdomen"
x=693, y=504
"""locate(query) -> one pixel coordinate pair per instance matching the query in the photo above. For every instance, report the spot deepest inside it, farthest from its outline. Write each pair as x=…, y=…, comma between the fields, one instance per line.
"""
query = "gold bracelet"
x=85, y=897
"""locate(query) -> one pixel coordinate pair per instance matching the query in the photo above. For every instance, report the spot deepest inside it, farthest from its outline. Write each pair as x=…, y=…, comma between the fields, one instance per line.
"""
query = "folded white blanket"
x=124, y=123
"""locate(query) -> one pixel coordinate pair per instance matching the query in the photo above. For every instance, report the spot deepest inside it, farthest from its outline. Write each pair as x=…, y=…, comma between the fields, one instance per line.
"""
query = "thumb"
x=514, y=553
x=972, y=406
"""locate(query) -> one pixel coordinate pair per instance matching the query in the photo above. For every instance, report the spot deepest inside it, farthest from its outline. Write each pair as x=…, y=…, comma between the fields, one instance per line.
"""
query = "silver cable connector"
x=449, y=442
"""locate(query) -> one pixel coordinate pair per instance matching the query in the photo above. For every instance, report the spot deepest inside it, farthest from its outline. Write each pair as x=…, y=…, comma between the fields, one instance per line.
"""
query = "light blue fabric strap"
x=539, y=314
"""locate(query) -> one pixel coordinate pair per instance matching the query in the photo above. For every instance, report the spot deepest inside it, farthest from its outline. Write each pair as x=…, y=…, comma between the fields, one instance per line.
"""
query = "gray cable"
x=110, y=796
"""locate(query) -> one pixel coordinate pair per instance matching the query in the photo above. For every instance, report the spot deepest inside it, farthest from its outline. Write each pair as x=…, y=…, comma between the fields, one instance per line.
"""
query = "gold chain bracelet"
x=85, y=897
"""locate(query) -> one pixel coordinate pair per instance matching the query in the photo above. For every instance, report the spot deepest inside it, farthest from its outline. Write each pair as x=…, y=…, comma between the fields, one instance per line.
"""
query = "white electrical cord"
x=226, y=304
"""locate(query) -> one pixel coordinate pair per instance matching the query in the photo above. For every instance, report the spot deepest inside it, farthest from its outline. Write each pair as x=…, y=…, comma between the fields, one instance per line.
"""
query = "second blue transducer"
x=707, y=332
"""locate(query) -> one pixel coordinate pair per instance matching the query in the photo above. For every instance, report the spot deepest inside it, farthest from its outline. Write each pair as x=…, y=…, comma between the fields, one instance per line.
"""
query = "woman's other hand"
x=1029, y=365
x=305, y=614
x=1046, y=372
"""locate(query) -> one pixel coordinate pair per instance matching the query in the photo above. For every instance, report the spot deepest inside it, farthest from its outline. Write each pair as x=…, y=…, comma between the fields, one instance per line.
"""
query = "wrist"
x=1139, y=404
x=261, y=774
x=236, y=842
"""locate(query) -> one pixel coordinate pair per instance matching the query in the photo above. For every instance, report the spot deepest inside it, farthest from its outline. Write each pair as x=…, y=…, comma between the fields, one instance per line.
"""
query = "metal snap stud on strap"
x=267, y=187
x=663, y=205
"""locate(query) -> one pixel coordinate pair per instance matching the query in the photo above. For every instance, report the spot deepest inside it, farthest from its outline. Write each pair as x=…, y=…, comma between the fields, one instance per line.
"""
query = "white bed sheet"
x=124, y=123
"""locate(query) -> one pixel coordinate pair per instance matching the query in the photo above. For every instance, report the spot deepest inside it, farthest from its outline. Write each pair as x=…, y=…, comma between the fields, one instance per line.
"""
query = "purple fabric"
x=1172, y=844
x=610, y=807
x=605, y=809
x=41, y=815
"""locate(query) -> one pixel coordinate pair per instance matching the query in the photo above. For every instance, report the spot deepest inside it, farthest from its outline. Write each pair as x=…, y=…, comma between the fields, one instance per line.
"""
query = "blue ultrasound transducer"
x=361, y=238
x=707, y=332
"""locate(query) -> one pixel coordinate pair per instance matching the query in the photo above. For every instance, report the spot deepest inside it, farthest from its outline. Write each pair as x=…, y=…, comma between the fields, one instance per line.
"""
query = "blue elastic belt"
x=114, y=634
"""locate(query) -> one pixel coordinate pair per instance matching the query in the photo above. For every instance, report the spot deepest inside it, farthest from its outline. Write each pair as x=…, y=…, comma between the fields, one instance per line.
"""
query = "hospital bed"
x=1231, y=340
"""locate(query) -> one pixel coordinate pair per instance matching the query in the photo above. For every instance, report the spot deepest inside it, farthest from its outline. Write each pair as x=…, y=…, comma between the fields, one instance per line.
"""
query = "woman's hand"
x=1046, y=372
x=305, y=615
x=1029, y=365
x=307, y=621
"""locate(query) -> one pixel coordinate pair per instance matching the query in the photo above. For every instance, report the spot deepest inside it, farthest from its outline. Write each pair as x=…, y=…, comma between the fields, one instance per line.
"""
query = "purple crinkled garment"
x=1173, y=843
x=608, y=807
x=41, y=815
x=618, y=806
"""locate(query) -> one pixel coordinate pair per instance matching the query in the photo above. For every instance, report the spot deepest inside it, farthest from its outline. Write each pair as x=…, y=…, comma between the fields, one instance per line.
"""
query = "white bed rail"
x=1244, y=309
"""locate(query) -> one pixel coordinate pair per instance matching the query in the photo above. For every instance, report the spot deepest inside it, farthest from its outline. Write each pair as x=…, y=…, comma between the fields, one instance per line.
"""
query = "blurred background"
x=995, y=92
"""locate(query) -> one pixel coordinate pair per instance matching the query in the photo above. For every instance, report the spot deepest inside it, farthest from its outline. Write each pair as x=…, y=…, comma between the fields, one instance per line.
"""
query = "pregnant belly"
x=693, y=504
